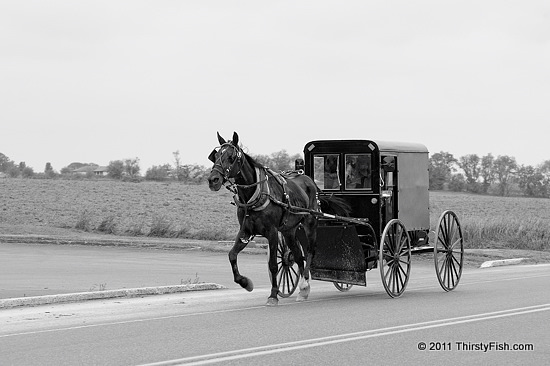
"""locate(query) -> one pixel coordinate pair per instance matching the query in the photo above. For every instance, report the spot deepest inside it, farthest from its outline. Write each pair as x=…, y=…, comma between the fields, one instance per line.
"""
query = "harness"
x=262, y=195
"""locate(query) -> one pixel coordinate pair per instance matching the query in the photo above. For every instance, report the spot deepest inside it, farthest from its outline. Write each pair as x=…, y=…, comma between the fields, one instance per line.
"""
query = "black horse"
x=265, y=200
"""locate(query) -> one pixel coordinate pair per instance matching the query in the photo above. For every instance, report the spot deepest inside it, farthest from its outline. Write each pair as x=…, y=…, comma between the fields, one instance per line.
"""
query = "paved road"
x=494, y=308
x=43, y=269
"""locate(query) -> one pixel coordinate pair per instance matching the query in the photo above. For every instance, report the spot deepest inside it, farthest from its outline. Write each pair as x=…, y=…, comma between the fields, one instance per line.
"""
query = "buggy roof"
x=406, y=147
x=383, y=146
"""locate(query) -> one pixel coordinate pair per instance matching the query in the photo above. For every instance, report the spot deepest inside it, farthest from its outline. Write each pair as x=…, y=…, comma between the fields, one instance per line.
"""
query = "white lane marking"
x=419, y=288
x=348, y=337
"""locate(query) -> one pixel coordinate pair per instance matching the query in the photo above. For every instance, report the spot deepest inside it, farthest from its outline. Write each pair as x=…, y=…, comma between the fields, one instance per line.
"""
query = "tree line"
x=500, y=175
x=130, y=169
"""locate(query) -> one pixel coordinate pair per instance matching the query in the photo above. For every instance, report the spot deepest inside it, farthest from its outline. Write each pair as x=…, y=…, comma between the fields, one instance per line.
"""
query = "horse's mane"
x=251, y=161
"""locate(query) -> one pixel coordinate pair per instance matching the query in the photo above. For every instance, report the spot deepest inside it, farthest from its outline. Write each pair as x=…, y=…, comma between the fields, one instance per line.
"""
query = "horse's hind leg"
x=301, y=248
x=273, y=239
x=240, y=243
x=311, y=235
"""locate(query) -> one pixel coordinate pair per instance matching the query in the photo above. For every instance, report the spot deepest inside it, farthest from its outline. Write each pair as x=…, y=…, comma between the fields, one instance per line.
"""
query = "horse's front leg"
x=240, y=243
x=273, y=239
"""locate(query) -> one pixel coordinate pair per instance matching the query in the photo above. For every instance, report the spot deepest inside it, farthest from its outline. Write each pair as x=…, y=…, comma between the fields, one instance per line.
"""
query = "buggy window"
x=326, y=171
x=358, y=171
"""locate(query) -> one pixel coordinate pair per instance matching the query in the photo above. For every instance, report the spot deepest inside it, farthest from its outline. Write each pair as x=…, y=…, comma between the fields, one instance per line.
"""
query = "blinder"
x=212, y=156
x=233, y=169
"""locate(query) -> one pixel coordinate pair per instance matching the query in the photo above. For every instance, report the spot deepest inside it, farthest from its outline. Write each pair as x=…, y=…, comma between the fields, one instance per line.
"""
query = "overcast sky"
x=96, y=81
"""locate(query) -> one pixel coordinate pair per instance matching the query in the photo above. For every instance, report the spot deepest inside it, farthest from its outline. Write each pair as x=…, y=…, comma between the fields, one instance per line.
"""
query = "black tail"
x=335, y=206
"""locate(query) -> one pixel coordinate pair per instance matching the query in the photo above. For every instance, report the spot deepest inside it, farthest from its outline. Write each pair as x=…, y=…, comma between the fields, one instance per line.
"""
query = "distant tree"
x=178, y=174
x=22, y=165
x=5, y=163
x=487, y=172
x=458, y=183
x=14, y=171
x=158, y=172
x=505, y=167
x=544, y=169
x=442, y=164
x=262, y=159
x=66, y=170
x=131, y=167
x=531, y=181
x=27, y=172
x=281, y=161
x=193, y=173
x=76, y=165
x=48, y=171
x=115, y=169
x=278, y=161
x=470, y=164
x=198, y=173
x=90, y=171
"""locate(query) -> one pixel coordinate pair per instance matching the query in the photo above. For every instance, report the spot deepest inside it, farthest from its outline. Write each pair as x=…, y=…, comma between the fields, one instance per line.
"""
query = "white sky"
x=95, y=81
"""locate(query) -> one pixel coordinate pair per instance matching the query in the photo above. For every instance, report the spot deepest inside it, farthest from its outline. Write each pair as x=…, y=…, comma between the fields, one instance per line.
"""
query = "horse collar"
x=255, y=201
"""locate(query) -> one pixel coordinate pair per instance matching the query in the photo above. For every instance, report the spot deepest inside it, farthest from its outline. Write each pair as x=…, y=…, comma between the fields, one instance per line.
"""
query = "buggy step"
x=422, y=249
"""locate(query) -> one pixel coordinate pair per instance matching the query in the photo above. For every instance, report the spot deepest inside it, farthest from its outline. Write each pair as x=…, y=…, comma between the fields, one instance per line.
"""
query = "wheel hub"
x=288, y=258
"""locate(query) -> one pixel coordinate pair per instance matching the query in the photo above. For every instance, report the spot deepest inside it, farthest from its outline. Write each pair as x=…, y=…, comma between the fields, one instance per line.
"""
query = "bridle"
x=232, y=170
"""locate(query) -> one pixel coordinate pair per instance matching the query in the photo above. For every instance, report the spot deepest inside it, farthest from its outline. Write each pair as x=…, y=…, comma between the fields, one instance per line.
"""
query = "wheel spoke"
x=399, y=278
x=387, y=273
x=287, y=275
x=394, y=258
x=456, y=261
x=454, y=271
x=395, y=285
x=402, y=270
x=406, y=262
x=280, y=274
x=288, y=280
x=279, y=269
x=448, y=251
x=455, y=243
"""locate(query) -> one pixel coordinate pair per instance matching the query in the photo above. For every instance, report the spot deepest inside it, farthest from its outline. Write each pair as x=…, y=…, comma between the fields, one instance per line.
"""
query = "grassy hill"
x=35, y=206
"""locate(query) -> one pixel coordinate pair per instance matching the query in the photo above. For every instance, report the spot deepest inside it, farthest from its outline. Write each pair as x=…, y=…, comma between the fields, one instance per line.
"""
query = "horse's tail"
x=335, y=205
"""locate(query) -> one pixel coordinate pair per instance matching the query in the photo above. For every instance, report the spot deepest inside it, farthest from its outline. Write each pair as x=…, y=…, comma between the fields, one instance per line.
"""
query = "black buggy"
x=386, y=186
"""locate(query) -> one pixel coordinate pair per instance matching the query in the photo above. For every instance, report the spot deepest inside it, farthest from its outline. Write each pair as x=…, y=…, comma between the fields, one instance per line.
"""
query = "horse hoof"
x=271, y=301
x=246, y=283
x=250, y=286
x=303, y=294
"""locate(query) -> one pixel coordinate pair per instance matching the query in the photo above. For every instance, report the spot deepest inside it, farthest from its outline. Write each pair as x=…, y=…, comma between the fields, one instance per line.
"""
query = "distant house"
x=85, y=170
x=101, y=171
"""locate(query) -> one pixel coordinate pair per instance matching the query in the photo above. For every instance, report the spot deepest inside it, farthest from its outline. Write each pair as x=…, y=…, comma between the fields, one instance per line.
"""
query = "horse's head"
x=227, y=159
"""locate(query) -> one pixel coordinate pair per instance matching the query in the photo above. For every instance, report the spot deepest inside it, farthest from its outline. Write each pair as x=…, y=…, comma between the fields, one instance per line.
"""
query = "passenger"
x=332, y=181
x=358, y=174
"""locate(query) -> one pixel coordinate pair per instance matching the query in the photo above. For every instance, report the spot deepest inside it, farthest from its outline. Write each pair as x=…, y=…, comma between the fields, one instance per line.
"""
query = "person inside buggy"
x=358, y=171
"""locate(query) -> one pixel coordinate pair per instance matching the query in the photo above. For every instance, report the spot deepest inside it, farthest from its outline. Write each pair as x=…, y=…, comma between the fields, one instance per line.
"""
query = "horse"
x=265, y=201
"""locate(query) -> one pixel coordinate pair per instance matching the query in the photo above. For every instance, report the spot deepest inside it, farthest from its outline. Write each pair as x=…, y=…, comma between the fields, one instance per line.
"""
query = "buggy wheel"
x=288, y=272
x=395, y=258
x=448, y=251
x=341, y=286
